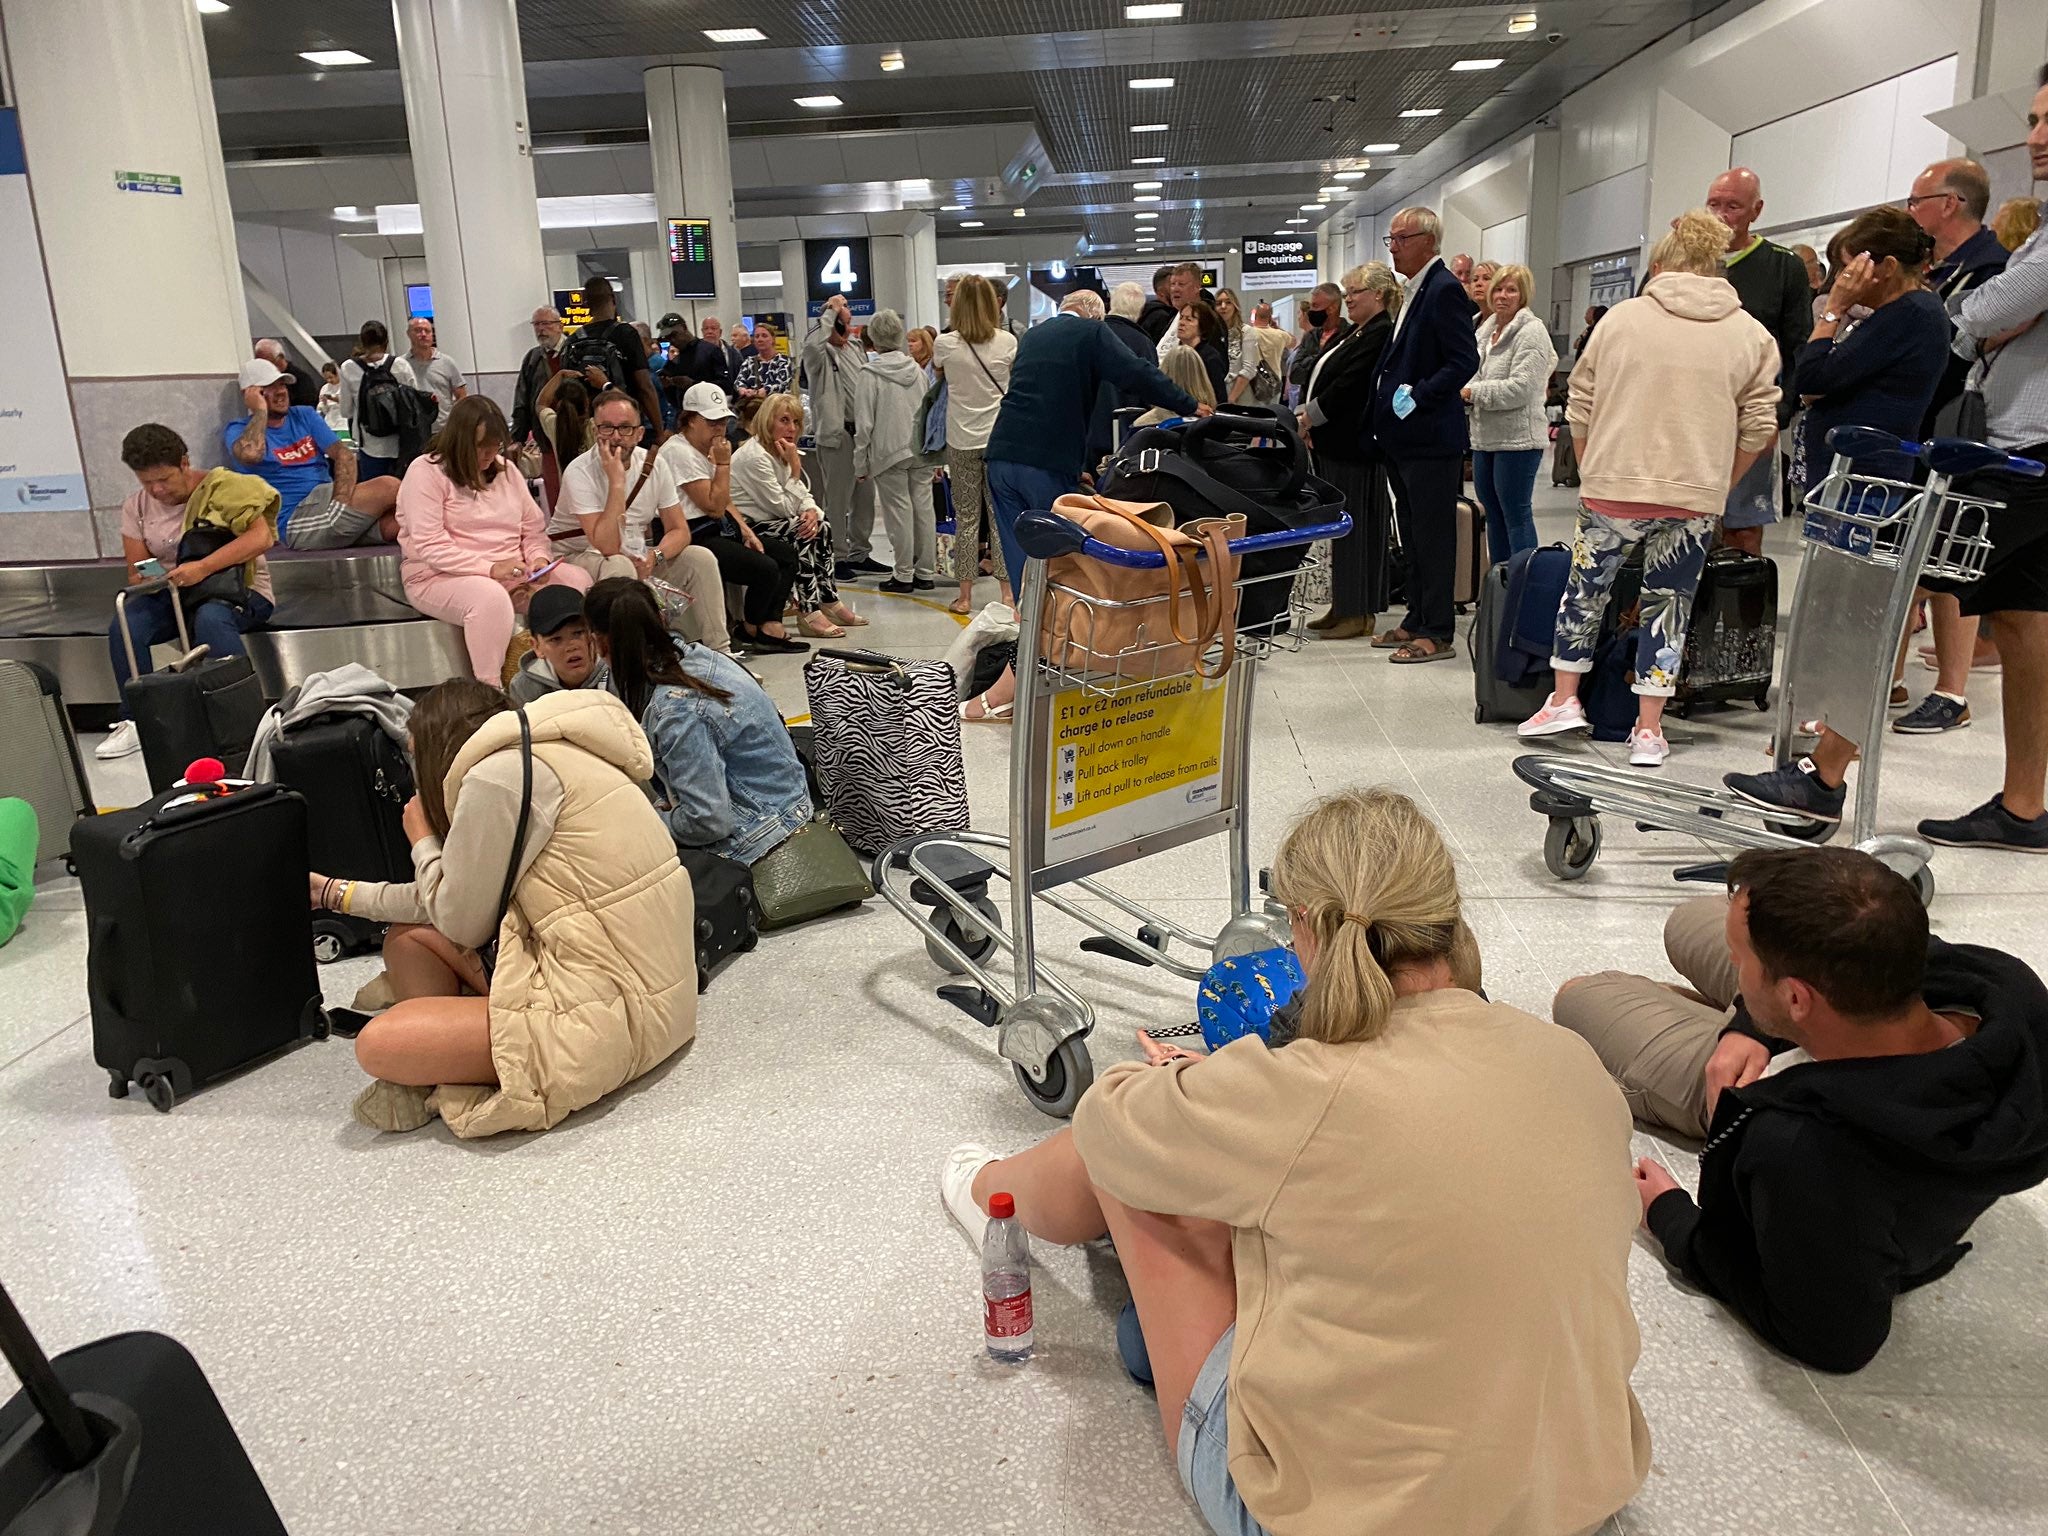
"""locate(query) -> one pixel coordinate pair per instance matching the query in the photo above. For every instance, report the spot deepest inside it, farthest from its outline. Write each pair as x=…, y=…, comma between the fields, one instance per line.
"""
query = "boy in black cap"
x=564, y=652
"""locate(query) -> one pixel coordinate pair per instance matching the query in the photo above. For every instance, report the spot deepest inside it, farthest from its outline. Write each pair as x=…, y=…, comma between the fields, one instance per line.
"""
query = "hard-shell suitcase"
x=1493, y=699
x=1473, y=564
x=355, y=780
x=1730, y=646
x=123, y=1437
x=728, y=915
x=888, y=745
x=203, y=706
x=39, y=759
x=199, y=939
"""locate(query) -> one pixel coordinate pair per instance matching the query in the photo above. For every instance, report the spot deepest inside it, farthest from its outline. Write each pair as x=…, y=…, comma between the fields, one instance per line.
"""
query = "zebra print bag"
x=887, y=745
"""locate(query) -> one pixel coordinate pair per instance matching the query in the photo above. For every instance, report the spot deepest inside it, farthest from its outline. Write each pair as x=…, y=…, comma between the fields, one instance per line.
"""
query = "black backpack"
x=1247, y=459
x=589, y=348
x=387, y=408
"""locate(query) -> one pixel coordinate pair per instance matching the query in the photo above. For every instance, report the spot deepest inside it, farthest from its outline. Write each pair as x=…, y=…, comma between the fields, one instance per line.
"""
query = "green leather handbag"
x=811, y=872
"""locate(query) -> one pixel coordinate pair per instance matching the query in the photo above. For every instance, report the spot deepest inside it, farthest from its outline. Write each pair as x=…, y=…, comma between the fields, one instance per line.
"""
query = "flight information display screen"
x=689, y=259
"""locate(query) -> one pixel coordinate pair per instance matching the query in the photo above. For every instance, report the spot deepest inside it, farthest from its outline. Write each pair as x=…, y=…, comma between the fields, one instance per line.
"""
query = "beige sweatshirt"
x=1431, y=1239
x=1670, y=384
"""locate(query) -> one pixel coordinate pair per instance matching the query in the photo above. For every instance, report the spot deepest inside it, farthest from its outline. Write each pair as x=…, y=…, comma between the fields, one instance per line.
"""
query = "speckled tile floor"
x=727, y=1300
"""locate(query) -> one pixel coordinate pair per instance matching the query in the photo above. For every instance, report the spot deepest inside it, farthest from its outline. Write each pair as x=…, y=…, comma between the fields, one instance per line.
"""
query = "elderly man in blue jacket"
x=1418, y=421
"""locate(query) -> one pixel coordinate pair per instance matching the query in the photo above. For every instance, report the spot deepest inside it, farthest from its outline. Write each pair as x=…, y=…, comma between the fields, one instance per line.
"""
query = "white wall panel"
x=1507, y=241
x=1687, y=152
x=1605, y=217
x=1847, y=154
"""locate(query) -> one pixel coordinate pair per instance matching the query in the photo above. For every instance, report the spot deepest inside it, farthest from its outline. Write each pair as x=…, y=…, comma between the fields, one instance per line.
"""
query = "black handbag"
x=488, y=952
x=229, y=586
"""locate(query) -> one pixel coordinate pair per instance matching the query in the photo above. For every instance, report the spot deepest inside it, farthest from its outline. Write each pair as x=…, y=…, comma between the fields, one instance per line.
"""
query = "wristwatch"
x=1829, y=317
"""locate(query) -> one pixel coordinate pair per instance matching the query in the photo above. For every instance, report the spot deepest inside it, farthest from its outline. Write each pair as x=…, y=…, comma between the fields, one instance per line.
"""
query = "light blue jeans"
x=1506, y=483
x=1204, y=1455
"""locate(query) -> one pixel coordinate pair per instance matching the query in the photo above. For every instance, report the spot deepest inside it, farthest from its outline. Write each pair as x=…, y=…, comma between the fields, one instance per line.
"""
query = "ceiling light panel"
x=818, y=101
x=209, y=7
x=1147, y=186
x=334, y=58
x=1525, y=22
x=1149, y=127
x=1379, y=149
x=1153, y=83
x=1167, y=11
x=1422, y=112
x=1349, y=176
x=1473, y=66
x=736, y=34
x=1150, y=160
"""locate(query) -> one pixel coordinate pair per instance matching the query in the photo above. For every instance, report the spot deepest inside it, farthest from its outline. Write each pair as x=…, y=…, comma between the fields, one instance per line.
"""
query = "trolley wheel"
x=117, y=1084
x=156, y=1087
x=1068, y=1073
x=330, y=942
x=1923, y=884
x=1479, y=714
x=1571, y=845
x=974, y=939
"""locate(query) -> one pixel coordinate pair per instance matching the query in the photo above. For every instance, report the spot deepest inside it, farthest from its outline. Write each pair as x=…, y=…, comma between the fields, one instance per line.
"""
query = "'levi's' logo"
x=301, y=452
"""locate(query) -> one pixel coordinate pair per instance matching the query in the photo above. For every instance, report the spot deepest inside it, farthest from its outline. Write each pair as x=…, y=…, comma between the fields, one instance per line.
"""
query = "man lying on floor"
x=1865, y=1092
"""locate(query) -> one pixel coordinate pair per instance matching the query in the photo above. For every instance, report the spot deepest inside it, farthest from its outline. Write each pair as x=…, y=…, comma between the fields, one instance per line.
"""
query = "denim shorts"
x=1204, y=1455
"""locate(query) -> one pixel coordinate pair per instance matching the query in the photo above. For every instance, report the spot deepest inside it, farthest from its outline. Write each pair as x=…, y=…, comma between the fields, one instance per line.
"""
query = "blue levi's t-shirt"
x=294, y=457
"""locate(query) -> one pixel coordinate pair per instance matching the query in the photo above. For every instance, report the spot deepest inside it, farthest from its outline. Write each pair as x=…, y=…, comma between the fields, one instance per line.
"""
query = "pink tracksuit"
x=450, y=538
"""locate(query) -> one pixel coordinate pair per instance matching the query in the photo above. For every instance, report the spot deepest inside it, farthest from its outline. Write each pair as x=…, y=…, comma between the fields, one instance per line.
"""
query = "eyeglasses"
x=611, y=429
x=1928, y=197
x=1393, y=240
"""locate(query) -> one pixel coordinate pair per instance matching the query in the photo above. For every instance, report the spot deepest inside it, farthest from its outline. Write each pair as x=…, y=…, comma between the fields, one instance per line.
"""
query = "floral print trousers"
x=1674, y=553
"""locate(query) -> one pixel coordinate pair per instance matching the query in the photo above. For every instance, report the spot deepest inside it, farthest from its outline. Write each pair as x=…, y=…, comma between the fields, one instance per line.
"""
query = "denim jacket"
x=726, y=775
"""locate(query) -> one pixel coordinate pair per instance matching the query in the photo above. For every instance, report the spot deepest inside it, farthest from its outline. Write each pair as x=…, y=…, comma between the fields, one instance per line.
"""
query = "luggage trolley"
x=1125, y=757
x=1869, y=542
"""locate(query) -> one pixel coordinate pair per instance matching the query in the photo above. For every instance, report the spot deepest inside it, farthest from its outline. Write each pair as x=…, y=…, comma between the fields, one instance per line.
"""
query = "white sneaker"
x=122, y=741
x=956, y=1188
x=1555, y=717
x=1647, y=748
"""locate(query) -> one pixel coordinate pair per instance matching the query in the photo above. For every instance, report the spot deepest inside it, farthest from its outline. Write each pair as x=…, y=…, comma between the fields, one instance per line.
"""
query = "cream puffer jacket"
x=1508, y=389
x=596, y=980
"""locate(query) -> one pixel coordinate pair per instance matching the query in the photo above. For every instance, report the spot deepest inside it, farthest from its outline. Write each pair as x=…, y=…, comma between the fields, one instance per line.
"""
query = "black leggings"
x=766, y=577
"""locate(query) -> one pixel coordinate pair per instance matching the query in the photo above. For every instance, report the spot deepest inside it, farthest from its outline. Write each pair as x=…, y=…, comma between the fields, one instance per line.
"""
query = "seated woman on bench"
x=1381, y=1269
x=499, y=1049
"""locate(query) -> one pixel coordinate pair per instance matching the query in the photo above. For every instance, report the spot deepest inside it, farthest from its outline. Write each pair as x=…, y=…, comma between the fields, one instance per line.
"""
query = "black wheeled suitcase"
x=355, y=780
x=728, y=914
x=123, y=1437
x=203, y=706
x=199, y=937
x=1730, y=646
x=1493, y=699
x=887, y=735
x=39, y=759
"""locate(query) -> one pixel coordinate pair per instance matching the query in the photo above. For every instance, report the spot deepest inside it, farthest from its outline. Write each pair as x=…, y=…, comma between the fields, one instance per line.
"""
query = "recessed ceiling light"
x=1148, y=186
x=1350, y=175
x=1150, y=160
x=970, y=224
x=1166, y=11
x=954, y=208
x=1525, y=22
x=1313, y=207
x=1153, y=83
x=1472, y=66
x=209, y=7
x=1146, y=197
x=1297, y=221
x=332, y=58
x=1016, y=213
x=736, y=34
x=1379, y=149
x=1332, y=191
x=1141, y=217
x=1423, y=112
x=1148, y=127
x=892, y=61
x=818, y=101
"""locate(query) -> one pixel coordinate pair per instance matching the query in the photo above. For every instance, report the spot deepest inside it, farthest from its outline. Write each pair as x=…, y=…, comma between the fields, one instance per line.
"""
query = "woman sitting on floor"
x=595, y=980
x=726, y=773
x=769, y=490
x=1381, y=1269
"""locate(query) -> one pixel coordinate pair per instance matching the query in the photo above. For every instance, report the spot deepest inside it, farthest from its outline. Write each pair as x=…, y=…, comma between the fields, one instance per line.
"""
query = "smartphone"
x=151, y=568
x=539, y=571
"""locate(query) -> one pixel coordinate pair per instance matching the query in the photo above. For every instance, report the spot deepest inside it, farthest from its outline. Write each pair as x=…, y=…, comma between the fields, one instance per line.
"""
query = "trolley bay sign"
x=1282, y=262
x=1143, y=759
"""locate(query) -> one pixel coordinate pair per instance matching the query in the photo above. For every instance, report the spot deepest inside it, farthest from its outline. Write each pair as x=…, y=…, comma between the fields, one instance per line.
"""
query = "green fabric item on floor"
x=19, y=835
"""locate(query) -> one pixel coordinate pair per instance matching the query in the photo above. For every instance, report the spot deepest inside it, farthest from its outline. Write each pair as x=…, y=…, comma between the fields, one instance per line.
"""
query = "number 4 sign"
x=839, y=267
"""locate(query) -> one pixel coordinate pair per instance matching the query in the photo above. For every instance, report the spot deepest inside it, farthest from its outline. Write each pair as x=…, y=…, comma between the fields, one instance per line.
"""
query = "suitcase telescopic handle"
x=144, y=589
x=46, y=1394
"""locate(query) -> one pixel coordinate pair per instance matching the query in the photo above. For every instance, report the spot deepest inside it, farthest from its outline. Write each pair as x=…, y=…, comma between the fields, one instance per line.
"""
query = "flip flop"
x=1393, y=639
x=1408, y=656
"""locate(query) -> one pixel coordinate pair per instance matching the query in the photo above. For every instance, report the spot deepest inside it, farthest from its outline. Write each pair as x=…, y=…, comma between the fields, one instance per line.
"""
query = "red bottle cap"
x=1001, y=1207
x=206, y=770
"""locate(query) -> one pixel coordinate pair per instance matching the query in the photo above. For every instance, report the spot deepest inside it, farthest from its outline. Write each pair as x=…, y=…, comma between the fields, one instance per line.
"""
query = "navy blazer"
x=1435, y=353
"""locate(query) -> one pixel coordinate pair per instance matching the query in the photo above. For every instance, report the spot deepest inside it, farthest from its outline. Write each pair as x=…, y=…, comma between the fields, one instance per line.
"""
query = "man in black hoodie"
x=1865, y=1091
x=1156, y=316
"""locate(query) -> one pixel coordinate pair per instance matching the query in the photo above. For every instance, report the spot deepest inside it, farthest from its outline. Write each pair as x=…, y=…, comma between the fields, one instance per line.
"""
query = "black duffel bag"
x=1247, y=459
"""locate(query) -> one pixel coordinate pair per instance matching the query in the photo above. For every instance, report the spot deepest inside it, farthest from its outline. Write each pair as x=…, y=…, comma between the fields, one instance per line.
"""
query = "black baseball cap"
x=668, y=323
x=552, y=607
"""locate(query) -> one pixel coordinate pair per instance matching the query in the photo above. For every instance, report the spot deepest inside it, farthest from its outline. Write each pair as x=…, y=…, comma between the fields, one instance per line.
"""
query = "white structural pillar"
x=693, y=179
x=795, y=288
x=136, y=239
x=472, y=161
x=905, y=250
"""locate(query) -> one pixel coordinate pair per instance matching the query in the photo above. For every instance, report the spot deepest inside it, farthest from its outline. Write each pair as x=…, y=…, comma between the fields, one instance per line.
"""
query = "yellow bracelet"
x=348, y=896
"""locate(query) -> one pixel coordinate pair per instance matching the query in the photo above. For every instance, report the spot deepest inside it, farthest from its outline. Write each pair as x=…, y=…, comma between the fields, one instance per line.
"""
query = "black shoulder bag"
x=488, y=952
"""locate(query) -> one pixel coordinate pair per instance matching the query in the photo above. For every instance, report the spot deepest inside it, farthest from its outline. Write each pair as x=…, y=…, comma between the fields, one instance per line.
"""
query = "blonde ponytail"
x=1368, y=874
x=1698, y=243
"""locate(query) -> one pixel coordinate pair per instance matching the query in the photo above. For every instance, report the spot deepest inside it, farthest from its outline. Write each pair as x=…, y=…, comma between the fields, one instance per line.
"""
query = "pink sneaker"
x=1647, y=748
x=1556, y=717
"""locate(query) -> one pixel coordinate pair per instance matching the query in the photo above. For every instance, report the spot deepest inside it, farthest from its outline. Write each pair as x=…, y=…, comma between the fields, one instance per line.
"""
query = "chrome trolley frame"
x=1073, y=725
x=1870, y=541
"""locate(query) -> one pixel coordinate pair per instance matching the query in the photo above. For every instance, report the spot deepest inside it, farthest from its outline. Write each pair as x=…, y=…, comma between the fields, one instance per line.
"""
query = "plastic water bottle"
x=1006, y=1284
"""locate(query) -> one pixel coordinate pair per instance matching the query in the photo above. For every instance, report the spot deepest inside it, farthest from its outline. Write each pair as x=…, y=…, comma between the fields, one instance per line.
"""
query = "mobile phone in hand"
x=151, y=568
x=541, y=570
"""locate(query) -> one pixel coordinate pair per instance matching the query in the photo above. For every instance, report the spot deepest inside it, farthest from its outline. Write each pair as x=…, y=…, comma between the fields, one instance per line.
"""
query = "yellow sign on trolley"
x=1140, y=760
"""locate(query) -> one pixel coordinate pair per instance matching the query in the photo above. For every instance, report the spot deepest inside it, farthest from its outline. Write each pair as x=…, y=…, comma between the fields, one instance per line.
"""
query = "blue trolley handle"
x=1044, y=535
x=1949, y=456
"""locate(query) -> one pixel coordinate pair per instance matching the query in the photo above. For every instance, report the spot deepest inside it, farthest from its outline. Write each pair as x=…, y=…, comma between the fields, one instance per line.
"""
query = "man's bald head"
x=1736, y=198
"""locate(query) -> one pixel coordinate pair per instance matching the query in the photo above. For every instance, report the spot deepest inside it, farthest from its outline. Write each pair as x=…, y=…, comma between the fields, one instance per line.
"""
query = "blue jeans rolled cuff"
x=1204, y=1453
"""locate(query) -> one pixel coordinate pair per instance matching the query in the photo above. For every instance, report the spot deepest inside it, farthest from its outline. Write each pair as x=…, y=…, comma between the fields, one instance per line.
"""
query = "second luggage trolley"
x=1869, y=543
x=1127, y=756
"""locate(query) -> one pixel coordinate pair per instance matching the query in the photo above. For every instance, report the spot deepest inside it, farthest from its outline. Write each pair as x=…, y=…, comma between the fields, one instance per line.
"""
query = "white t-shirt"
x=585, y=488
x=687, y=465
x=972, y=396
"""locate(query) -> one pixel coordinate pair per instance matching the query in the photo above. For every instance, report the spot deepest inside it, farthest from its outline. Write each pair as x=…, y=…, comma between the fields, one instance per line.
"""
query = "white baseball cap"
x=708, y=401
x=261, y=373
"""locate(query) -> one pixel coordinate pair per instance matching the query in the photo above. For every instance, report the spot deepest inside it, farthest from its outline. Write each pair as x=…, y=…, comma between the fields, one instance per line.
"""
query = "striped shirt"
x=2015, y=379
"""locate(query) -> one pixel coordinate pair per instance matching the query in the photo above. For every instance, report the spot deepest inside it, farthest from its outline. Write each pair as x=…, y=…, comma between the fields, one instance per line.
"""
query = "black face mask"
x=1319, y=318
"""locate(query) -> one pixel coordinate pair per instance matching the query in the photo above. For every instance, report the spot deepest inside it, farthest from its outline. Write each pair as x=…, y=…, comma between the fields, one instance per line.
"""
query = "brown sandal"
x=1392, y=639
x=1411, y=654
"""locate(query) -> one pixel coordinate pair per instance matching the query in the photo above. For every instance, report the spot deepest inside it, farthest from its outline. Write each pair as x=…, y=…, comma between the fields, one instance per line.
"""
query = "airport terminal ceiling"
x=1269, y=100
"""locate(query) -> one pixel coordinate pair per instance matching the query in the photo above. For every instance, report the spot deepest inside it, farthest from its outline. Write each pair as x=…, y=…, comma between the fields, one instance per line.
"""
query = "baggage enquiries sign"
x=1279, y=262
x=40, y=469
